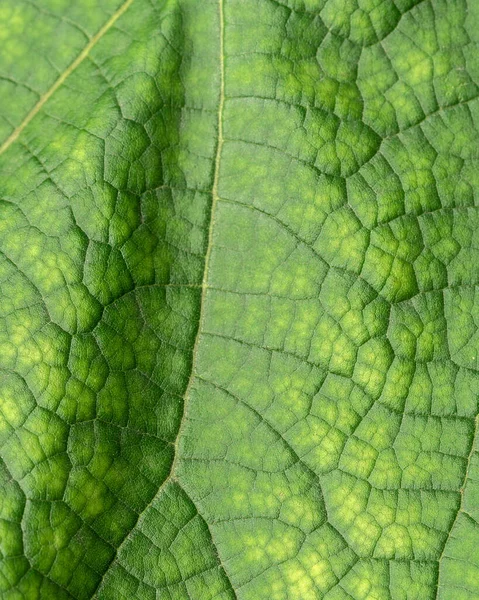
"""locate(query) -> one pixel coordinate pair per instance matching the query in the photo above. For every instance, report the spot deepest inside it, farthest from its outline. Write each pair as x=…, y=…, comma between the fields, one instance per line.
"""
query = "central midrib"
x=214, y=203
x=204, y=286
x=461, y=505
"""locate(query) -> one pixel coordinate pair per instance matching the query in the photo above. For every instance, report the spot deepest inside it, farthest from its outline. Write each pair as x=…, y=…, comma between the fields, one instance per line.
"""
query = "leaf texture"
x=238, y=317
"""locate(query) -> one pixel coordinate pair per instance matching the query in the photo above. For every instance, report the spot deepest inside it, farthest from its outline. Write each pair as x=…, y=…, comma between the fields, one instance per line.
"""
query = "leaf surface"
x=238, y=317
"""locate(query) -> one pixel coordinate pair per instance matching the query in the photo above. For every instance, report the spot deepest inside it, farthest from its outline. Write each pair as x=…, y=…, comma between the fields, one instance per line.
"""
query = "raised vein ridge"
x=68, y=71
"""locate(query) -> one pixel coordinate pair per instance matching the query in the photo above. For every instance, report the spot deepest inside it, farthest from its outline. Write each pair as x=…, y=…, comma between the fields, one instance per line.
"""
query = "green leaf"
x=238, y=316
